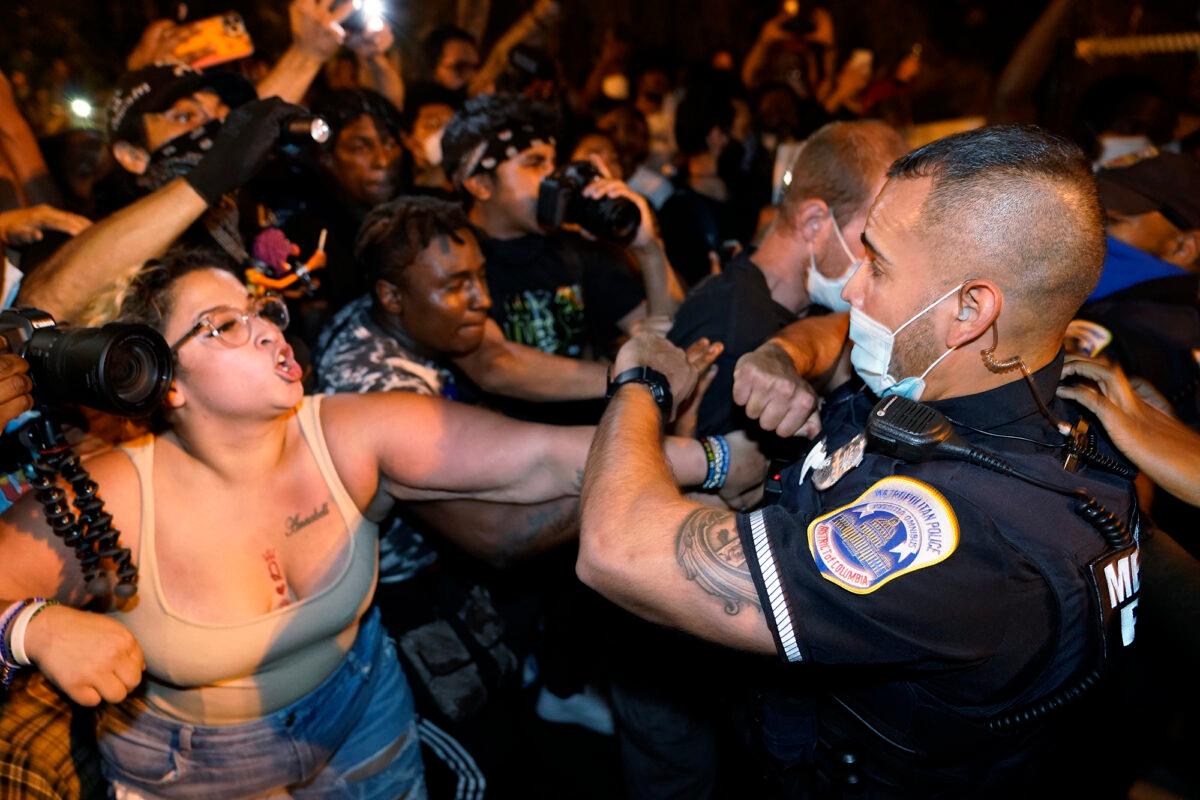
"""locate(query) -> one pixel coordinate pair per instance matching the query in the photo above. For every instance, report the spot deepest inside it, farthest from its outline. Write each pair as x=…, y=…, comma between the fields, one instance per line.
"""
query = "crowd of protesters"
x=396, y=301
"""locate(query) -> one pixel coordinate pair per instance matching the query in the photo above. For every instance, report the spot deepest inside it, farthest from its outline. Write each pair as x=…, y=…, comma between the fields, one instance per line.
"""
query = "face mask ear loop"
x=988, y=354
x=936, y=361
x=837, y=229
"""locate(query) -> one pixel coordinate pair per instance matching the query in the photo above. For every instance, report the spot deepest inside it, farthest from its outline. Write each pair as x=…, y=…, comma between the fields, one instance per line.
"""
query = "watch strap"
x=659, y=386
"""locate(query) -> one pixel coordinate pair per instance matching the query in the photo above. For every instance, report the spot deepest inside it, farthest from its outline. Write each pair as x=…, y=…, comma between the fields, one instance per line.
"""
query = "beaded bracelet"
x=9, y=615
x=721, y=478
x=716, y=452
x=11, y=611
x=710, y=456
x=8, y=667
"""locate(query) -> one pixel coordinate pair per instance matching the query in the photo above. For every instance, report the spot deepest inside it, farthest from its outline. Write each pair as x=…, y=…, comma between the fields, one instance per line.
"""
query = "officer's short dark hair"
x=1017, y=204
x=395, y=233
x=344, y=106
x=437, y=39
x=486, y=115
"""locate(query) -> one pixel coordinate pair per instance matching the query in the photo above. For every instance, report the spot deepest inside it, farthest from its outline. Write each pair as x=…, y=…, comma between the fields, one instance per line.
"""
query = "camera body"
x=118, y=368
x=561, y=201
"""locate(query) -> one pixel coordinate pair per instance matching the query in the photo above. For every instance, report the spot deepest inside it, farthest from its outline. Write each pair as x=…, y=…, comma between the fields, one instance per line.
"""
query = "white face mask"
x=828, y=291
x=431, y=148
x=871, y=355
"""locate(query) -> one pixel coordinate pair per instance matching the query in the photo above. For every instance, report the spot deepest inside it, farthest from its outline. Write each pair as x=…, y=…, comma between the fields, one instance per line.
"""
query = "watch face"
x=656, y=382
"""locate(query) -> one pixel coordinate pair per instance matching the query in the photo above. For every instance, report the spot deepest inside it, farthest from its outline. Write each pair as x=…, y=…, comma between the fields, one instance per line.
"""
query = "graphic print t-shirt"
x=559, y=293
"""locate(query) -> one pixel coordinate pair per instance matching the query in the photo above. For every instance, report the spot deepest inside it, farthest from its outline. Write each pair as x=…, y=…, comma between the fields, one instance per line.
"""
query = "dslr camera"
x=561, y=201
x=119, y=368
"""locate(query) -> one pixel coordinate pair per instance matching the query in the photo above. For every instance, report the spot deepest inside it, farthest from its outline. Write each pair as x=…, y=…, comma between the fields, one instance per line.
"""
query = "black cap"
x=1168, y=183
x=153, y=89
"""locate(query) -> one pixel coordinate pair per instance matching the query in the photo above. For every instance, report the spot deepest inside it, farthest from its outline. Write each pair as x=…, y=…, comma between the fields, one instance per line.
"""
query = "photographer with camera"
x=427, y=313
x=550, y=288
x=15, y=387
x=252, y=517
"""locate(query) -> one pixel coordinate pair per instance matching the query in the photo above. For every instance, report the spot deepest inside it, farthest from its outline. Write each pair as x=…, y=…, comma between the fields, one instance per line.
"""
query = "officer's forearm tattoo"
x=710, y=552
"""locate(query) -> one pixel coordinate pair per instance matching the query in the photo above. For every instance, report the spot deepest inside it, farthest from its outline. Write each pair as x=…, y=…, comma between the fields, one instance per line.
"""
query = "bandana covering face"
x=178, y=156
x=500, y=147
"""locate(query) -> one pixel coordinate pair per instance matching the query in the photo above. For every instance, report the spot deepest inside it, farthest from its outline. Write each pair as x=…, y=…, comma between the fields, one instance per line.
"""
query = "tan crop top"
x=222, y=674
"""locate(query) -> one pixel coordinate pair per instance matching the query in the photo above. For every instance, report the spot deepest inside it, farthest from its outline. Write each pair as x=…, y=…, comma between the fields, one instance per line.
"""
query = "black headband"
x=502, y=145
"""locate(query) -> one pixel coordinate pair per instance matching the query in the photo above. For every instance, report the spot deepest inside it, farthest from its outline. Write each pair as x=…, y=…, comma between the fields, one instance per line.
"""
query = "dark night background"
x=82, y=45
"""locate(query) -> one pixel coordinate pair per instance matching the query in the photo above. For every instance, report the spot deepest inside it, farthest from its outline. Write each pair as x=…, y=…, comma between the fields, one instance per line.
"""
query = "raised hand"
x=1166, y=450
x=317, y=26
x=682, y=369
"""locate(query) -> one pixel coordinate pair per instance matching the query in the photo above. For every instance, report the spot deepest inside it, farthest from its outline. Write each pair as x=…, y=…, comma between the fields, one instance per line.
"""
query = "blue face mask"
x=828, y=291
x=871, y=355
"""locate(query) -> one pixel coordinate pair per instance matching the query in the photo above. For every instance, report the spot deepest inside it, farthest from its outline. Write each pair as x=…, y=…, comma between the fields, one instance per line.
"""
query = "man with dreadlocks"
x=426, y=312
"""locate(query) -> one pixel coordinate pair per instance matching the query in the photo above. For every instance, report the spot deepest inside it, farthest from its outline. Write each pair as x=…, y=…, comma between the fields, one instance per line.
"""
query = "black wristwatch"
x=660, y=387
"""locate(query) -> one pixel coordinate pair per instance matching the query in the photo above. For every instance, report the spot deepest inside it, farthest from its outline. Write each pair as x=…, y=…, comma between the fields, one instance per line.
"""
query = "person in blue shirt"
x=1144, y=314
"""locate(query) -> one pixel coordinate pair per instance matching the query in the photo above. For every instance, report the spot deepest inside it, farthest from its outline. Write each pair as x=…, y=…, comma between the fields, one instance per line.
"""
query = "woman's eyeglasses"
x=231, y=326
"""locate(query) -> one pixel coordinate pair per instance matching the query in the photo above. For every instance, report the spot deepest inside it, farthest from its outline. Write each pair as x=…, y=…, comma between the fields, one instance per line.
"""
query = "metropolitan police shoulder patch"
x=897, y=526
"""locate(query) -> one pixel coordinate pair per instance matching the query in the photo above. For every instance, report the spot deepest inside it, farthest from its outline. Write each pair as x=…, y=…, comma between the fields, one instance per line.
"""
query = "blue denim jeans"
x=354, y=736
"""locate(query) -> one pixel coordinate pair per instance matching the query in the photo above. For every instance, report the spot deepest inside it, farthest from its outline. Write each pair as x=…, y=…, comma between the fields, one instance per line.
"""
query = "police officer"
x=941, y=622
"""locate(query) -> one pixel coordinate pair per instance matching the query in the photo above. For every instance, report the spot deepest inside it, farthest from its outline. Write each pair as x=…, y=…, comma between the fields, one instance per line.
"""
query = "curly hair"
x=148, y=298
x=341, y=107
x=485, y=115
x=395, y=233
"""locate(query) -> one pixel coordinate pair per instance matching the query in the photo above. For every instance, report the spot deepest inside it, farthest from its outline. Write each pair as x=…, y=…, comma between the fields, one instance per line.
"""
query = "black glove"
x=247, y=138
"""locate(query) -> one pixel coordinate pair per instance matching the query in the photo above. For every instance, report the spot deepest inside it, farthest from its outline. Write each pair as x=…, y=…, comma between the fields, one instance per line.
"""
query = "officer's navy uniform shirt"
x=986, y=610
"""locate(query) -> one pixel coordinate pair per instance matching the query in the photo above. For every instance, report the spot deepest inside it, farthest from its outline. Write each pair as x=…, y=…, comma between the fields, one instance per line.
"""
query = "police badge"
x=844, y=459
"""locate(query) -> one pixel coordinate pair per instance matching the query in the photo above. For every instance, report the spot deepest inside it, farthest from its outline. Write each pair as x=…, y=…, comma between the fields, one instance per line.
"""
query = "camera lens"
x=121, y=369
x=614, y=219
x=129, y=371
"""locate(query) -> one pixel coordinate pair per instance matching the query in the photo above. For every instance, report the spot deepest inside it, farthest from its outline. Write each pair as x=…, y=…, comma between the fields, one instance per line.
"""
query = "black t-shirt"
x=559, y=293
x=1155, y=330
x=694, y=225
x=735, y=308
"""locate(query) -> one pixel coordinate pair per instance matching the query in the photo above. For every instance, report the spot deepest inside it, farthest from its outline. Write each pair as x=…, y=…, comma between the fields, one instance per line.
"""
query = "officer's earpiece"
x=964, y=314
